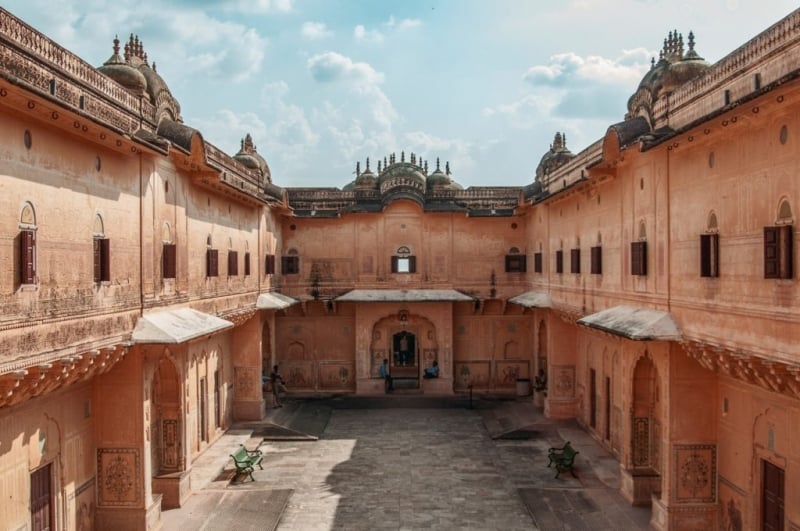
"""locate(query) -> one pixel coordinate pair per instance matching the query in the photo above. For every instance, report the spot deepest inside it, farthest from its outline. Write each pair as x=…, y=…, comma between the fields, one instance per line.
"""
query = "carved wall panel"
x=170, y=444
x=119, y=473
x=472, y=373
x=509, y=371
x=563, y=379
x=641, y=441
x=732, y=503
x=695, y=473
x=248, y=382
x=337, y=376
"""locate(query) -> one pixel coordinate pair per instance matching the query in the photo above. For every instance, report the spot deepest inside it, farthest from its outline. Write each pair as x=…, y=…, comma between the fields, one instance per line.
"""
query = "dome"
x=249, y=158
x=123, y=73
x=441, y=179
x=557, y=156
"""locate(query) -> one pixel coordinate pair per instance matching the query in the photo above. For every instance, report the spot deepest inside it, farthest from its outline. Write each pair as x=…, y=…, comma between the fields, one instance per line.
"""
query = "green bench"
x=563, y=458
x=245, y=460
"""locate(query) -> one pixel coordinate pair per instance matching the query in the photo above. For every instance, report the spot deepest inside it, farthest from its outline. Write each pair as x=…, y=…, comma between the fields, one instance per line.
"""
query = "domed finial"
x=379, y=165
x=358, y=168
x=447, y=168
x=127, y=55
x=145, y=58
x=413, y=158
x=367, y=163
x=691, y=41
x=557, y=143
x=426, y=167
x=652, y=63
x=437, y=164
x=116, y=44
x=402, y=156
x=384, y=163
x=154, y=66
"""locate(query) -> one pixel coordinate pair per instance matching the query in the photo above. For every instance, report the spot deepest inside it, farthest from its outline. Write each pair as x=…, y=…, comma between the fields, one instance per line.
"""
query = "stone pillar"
x=124, y=497
x=248, y=399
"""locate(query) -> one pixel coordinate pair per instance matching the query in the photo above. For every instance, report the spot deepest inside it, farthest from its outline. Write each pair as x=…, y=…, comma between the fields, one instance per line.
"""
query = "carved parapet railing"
x=18, y=385
x=772, y=375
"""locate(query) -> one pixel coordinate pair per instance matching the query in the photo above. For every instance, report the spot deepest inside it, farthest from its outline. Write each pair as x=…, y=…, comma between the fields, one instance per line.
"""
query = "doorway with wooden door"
x=772, y=497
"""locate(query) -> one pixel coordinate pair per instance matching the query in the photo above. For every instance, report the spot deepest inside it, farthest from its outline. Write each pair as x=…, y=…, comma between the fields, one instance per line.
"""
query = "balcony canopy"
x=404, y=295
x=176, y=326
x=638, y=324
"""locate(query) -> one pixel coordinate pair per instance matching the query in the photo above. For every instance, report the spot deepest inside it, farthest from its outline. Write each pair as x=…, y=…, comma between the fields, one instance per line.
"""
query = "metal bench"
x=563, y=458
x=245, y=460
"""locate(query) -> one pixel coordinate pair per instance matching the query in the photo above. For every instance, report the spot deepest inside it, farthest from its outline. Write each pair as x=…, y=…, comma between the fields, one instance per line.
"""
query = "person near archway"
x=387, y=376
x=433, y=371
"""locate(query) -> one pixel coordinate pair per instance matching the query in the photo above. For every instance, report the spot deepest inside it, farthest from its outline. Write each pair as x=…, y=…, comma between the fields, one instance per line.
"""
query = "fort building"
x=646, y=283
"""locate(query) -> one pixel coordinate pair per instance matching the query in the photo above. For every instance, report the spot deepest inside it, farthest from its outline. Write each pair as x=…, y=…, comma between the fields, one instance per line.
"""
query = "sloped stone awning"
x=637, y=324
x=533, y=299
x=274, y=301
x=176, y=326
x=404, y=295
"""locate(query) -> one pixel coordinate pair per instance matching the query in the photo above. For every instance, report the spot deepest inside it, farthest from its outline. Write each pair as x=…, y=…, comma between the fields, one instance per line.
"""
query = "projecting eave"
x=637, y=324
x=404, y=295
x=176, y=326
x=274, y=301
x=533, y=299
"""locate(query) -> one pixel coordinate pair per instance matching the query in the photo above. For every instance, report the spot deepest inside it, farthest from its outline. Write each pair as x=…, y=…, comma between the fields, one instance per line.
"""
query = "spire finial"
x=437, y=164
x=402, y=156
x=367, y=163
x=426, y=167
x=358, y=168
x=447, y=168
x=116, y=44
x=379, y=165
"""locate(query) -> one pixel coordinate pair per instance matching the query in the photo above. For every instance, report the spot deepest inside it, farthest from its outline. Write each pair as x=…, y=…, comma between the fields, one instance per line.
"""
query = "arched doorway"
x=646, y=429
x=166, y=423
x=404, y=348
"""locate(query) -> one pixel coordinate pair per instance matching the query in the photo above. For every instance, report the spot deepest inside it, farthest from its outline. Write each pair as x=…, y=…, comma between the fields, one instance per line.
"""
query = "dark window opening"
x=597, y=260
x=709, y=255
x=575, y=261
x=247, y=264
x=639, y=258
x=537, y=262
x=168, y=260
x=233, y=263
x=269, y=264
x=559, y=261
x=778, y=256
x=290, y=265
x=212, y=263
x=516, y=263
x=102, y=260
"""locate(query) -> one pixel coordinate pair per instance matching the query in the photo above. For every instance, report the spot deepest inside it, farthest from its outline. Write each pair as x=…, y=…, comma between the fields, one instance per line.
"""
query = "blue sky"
x=321, y=84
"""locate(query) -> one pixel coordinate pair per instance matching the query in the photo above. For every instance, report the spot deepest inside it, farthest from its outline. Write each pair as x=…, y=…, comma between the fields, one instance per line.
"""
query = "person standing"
x=386, y=375
x=278, y=385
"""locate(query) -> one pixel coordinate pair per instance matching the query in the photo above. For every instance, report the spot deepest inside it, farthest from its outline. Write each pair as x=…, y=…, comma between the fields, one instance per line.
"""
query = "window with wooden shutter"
x=269, y=264
x=537, y=262
x=247, y=264
x=168, y=260
x=778, y=255
x=515, y=263
x=27, y=247
x=575, y=261
x=102, y=260
x=709, y=255
x=212, y=262
x=559, y=261
x=596, y=255
x=639, y=258
x=233, y=263
x=412, y=264
x=290, y=265
x=404, y=264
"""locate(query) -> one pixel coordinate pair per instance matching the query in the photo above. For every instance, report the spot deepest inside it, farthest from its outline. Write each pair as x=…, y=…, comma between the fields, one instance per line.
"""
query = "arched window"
x=169, y=253
x=515, y=261
x=246, y=259
x=101, y=251
x=709, y=248
x=233, y=260
x=596, y=257
x=639, y=252
x=212, y=259
x=290, y=264
x=404, y=261
x=27, y=244
x=778, y=253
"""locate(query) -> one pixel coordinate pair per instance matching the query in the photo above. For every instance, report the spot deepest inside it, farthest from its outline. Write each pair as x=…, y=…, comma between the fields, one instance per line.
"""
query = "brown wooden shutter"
x=233, y=263
x=412, y=264
x=537, y=262
x=247, y=264
x=788, y=254
x=290, y=265
x=772, y=255
x=559, y=261
x=105, y=260
x=27, y=240
x=212, y=263
x=395, y=260
x=96, y=259
x=639, y=258
x=575, y=261
x=168, y=260
x=709, y=255
x=596, y=265
x=269, y=264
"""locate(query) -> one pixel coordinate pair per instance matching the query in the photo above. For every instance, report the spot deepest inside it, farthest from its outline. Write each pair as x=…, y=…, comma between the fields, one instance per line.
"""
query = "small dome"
x=249, y=158
x=126, y=75
x=441, y=179
x=557, y=156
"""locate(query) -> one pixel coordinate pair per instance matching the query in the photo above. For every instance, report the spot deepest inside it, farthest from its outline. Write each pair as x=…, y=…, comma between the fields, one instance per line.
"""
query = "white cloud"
x=262, y=6
x=332, y=66
x=567, y=67
x=402, y=24
x=362, y=34
x=315, y=31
